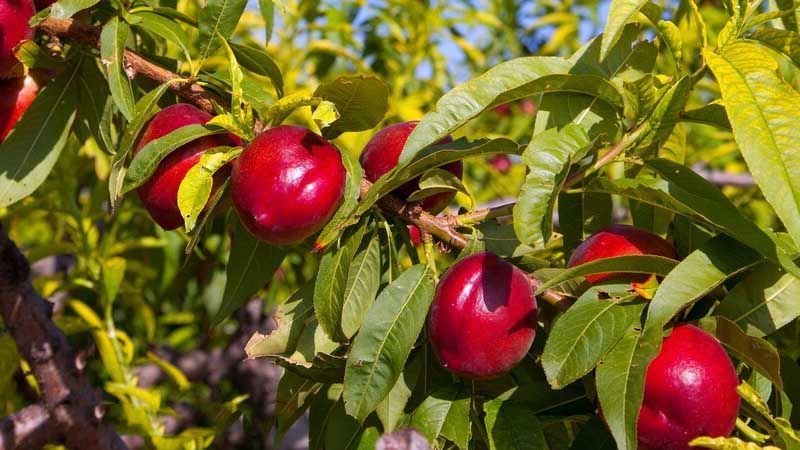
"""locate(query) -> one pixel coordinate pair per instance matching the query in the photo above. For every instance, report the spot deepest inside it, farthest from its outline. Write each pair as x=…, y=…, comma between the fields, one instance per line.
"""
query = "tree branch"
x=134, y=63
x=70, y=402
x=29, y=428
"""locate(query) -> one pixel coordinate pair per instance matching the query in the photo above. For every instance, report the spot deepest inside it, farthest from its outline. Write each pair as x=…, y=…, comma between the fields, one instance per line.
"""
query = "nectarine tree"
x=368, y=215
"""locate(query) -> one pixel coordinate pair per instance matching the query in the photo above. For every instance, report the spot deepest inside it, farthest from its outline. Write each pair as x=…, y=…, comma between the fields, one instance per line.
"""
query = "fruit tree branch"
x=134, y=63
x=443, y=228
x=69, y=410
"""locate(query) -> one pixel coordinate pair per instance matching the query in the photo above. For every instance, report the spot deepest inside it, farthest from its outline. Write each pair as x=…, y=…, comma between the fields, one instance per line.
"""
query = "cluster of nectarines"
x=288, y=183
x=17, y=90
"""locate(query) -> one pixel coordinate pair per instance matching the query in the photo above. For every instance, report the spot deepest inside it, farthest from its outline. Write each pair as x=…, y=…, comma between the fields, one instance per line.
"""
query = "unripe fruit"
x=159, y=194
x=500, y=163
x=381, y=154
x=16, y=95
x=690, y=391
x=287, y=184
x=619, y=240
x=483, y=318
x=14, y=17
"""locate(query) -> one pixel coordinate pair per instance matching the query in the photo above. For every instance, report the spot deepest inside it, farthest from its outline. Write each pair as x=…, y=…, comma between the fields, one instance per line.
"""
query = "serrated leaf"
x=698, y=274
x=259, y=61
x=619, y=14
x=217, y=20
x=196, y=186
x=290, y=319
x=32, y=148
x=379, y=351
x=620, y=382
x=763, y=301
x=145, y=108
x=753, y=351
x=430, y=158
x=585, y=333
x=363, y=281
x=512, y=426
x=146, y=161
x=361, y=101
x=445, y=412
x=165, y=28
x=761, y=106
x=648, y=264
x=112, y=54
x=331, y=282
x=686, y=193
x=251, y=264
x=437, y=181
x=508, y=81
x=548, y=158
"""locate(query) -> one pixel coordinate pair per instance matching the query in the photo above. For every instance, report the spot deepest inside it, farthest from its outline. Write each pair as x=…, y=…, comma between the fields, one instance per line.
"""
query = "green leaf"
x=267, y=8
x=659, y=125
x=753, y=351
x=196, y=186
x=112, y=52
x=325, y=114
x=620, y=382
x=251, y=264
x=344, y=215
x=582, y=215
x=548, y=157
x=145, y=108
x=34, y=56
x=430, y=158
x=363, y=282
x=113, y=275
x=764, y=301
x=784, y=434
x=437, y=181
x=361, y=101
x=782, y=41
x=445, y=412
x=331, y=282
x=64, y=9
x=281, y=109
x=512, y=426
x=293, y=398
x=258, y=61
x=761, y=106
x=323, y=368
x=649, y=264
x=391, y=410
x=508, y=81
x=94, y=93
x=586, y=332
x=619, y=14
x=218, y=20
x=687, y=193
x=379, y=351
x=713, y=114
x=32, y=148
x=594, y=435
x=146, y=161
x=698, y=274
x=165, y=28
x=291, y=318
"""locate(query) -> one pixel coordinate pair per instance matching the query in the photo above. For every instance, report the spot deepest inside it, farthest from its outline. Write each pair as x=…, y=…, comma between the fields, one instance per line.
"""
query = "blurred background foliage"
x=126, y=292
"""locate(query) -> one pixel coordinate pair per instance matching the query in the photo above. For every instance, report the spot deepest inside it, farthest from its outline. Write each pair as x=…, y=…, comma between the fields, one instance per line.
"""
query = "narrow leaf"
x=112, y=53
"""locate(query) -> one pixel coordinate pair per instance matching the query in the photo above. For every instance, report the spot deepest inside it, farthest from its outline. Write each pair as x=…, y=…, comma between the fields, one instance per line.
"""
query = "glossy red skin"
x=382, y=152
x=690, y=391
x=16, y=95
x=14, y=17
x=159, y=194
x=416, y=236
x=483, y=318
x=619, y=240
x=287, y=184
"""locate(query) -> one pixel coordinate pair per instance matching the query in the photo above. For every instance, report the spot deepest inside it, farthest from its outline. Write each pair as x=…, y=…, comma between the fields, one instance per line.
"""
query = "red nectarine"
x=690, y=391
x=287, y=184
x=16, y=95
x=619, y=240
x=14, y=17
x=483, y=318
x=159, y=194
x=381, y=154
